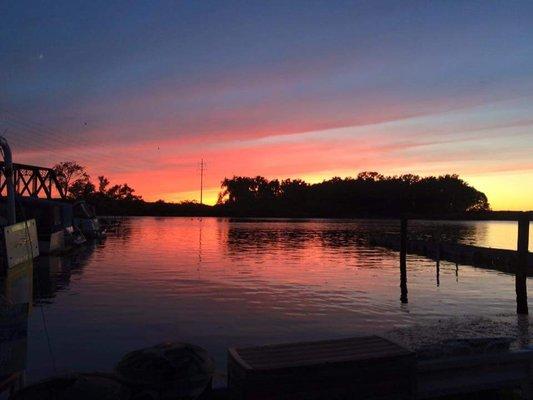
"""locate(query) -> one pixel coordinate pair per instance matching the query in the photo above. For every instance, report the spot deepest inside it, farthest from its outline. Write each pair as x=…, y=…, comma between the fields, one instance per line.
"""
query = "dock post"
x=438, y=262
x=521, y=265
x=403, y=260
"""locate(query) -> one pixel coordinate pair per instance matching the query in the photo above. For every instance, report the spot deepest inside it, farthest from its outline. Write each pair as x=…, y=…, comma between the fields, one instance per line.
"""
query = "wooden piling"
x=403, y=260
x=438, y=262
x=521, y=264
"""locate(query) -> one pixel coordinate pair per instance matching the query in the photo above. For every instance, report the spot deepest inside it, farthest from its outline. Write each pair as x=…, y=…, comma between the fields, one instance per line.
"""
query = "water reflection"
x=28, y=285
x=339, y=234
x=437, y=268
x=17, y=284
x=444, y=231
x=294, y=235
x=496, y=234
x=221, y=283
x=200, y=226
x=53, y=273
x=16, y=288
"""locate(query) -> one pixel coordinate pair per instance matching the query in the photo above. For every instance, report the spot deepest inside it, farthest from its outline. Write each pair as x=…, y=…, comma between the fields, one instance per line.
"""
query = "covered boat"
x=86, y=221
x=55, y=223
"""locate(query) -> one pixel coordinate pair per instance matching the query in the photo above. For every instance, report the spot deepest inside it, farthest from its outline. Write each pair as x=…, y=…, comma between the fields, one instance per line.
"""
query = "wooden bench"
x=361, y=367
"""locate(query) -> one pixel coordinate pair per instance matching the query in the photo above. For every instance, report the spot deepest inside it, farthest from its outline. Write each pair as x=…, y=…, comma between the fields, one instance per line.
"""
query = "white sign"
x=21, y=242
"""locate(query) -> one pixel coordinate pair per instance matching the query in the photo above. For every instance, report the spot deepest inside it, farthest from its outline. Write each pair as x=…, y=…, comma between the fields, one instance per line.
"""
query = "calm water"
x=221, y=283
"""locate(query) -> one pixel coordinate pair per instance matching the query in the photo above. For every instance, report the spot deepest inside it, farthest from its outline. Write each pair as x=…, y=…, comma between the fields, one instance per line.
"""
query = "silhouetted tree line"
x=118, y=199
x=370, y=194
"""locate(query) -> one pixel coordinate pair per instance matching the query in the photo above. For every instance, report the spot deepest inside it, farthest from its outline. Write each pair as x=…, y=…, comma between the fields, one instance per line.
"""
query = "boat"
x=56, y=230
x=86, y=221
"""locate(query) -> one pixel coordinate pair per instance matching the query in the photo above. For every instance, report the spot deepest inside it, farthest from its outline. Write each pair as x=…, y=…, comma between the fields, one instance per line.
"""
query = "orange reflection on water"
x=221, y=283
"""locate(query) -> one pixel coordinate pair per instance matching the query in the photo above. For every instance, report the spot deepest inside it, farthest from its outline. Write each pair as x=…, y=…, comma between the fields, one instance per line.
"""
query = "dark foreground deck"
x=370, y=368
x=362, y=367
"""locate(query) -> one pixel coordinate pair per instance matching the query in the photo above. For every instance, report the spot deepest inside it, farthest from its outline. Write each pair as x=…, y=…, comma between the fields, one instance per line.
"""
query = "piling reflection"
x=522, y=322
x=437, y=270
x=403, y=262
x=16, y=292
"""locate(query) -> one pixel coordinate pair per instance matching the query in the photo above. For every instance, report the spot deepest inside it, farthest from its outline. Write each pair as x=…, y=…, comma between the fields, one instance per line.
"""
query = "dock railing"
x=521, y=264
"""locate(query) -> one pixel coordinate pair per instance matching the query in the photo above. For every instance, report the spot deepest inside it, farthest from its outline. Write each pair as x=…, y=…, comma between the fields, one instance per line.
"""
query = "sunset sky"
x=141, y=91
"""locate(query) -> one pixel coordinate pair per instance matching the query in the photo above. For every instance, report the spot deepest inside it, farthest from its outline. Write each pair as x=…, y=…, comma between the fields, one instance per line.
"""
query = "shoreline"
x=486, y=216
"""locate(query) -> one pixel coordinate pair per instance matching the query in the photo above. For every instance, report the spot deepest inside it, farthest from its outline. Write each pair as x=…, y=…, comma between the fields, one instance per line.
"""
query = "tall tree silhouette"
x=73, y=178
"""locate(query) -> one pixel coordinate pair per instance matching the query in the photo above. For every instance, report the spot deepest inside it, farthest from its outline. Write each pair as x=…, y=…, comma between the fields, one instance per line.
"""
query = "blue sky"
x=309, y=89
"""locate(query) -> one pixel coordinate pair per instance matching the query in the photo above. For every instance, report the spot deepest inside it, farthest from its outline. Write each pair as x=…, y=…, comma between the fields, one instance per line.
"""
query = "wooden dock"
x=519, y=262
x=485, y=257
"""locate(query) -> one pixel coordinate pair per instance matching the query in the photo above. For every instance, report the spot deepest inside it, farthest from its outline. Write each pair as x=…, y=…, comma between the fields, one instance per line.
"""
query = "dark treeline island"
x=370, y=194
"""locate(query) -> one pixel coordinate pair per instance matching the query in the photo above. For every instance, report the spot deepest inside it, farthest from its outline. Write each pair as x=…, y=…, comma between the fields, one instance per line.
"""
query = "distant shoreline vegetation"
x=368, y=195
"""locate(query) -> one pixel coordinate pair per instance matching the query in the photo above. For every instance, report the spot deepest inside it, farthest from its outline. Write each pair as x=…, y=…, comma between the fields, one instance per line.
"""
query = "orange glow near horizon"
x=168, y=169
x=506, y=191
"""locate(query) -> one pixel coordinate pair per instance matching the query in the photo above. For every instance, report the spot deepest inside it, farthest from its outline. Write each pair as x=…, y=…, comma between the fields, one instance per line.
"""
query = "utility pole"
x=202, y=165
